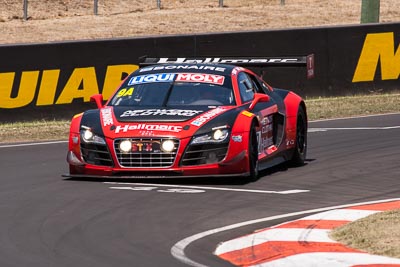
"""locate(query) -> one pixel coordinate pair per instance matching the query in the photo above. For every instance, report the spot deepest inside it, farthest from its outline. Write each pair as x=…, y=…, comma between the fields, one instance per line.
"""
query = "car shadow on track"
x=283, y=167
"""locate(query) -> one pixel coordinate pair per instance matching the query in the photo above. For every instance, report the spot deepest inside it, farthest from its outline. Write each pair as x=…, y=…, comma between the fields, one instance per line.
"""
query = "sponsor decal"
x=266, y=128
x=152, y=78
x=148, y=127
x=106, y=117
x=146, y=146
x=160, y=112
x=237, y=138
x=290, y=142
x=266, y=120
x=180, y=77
x=198, y=77
x=146, y=133
x=182, y=67
x=228, y=60
x=75, y=140
x=236, y=70
x=267, y=125
x=263, y=142
x=378, y=47
x=207, y=116
x=43, y=87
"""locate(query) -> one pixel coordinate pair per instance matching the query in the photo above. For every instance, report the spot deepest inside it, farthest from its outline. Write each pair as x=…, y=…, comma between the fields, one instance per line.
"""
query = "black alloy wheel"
x=300, y=150
x=253, y=153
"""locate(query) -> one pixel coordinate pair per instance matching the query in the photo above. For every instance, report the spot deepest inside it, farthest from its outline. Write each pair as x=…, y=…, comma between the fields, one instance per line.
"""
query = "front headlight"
x=88, y=136
x=215, y=136
x=125, y=146
x=168, y=146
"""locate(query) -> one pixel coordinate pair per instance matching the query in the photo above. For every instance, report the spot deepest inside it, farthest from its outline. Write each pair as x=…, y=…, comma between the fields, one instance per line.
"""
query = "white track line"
x=285, y=192
x=34, y=144
x=356, y=117
x=311, y=130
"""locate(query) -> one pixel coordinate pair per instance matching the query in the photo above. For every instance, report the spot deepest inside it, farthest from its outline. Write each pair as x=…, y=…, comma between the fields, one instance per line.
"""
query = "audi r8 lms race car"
x=190, y=118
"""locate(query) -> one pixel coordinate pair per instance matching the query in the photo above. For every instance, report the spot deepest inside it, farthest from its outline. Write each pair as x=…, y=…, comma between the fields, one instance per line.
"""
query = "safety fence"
x=39, y=9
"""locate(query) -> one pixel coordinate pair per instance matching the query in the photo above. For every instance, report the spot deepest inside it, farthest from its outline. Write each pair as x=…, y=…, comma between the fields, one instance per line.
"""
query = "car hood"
x=117, y=122
x=152, y=114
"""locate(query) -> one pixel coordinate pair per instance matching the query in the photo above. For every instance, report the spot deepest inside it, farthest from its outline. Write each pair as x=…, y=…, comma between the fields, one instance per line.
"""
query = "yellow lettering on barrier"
x=26, y=92
x=6, y=83
x=378, y=46
x=48, y=87
x=114, y=76
x=81, y=84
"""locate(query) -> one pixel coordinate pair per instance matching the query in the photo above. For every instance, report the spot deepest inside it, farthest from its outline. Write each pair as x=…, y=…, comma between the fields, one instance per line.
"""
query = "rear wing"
x=259, y=62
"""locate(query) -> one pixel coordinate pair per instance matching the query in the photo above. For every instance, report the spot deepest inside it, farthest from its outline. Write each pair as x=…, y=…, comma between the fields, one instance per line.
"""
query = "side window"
x=256, y=84
x=264, y=87
x=246, y=87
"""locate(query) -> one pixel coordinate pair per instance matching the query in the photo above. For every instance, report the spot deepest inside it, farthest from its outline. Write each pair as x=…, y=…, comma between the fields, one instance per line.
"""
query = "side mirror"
x=258, y=98
x=98, y=99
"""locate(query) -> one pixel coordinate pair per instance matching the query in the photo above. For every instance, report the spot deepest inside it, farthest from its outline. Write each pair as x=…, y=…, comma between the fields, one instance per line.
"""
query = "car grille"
x=146, y=153
x=204, y=154
x=96, y=154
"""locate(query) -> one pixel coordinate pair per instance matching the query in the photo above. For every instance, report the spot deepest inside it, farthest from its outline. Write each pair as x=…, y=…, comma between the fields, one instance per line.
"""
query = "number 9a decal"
x=125, y=92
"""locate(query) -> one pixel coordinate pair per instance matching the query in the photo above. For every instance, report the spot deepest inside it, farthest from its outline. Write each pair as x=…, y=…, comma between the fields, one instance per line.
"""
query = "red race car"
x=190, y=118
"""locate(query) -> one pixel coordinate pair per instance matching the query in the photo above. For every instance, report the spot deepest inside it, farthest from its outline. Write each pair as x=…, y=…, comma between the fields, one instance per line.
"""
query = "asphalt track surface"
x=47, y=220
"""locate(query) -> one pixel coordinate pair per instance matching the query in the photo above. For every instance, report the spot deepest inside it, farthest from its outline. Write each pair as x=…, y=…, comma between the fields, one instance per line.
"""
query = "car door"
x=271, y=120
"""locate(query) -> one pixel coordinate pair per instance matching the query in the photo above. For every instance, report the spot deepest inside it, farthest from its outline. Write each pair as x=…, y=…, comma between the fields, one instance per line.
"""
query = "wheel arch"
x=292, y=103
x=303, y=105
x=243, y=122
x=242, y=128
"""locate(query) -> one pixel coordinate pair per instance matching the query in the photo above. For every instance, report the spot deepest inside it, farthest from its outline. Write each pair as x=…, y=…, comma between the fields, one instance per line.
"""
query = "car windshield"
x=173, y=93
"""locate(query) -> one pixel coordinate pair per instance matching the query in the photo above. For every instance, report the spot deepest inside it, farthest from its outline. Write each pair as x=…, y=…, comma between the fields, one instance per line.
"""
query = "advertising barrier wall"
x=56, y=80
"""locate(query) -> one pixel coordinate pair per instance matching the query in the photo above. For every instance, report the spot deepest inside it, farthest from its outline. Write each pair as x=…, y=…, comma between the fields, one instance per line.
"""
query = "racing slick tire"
x=253, y=153
x=300, y=150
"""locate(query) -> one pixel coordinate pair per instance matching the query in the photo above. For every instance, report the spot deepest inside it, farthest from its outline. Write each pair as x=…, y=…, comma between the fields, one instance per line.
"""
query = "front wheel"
x=253, y=153
x=300, y=150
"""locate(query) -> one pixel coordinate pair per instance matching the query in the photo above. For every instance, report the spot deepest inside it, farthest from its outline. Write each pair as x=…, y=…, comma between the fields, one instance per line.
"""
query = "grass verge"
x=376, y=234
x=34, y=131
x=340, y=107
